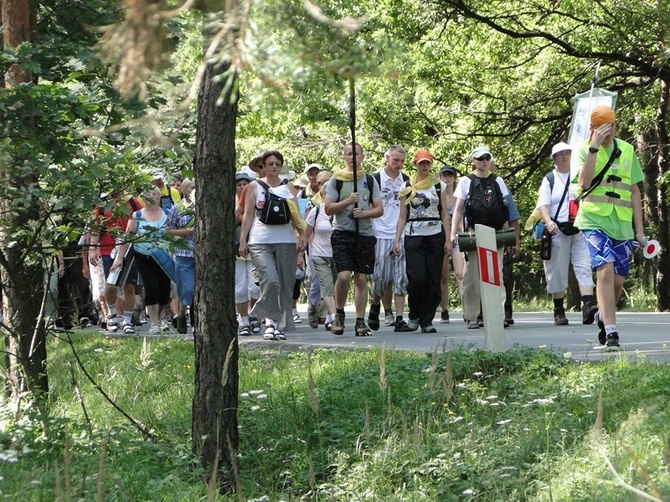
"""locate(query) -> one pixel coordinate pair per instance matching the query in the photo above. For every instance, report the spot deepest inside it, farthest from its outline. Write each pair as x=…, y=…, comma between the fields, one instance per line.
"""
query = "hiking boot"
x=413, y=324
x=589, y=312
x=559, y=317
x=312, y=318
x=612, y=341
x=444, y=317
x=373, y=317
x=401, y=326
x=338, y=324
x=389, y=320
x=362, y=329
x=602, y=336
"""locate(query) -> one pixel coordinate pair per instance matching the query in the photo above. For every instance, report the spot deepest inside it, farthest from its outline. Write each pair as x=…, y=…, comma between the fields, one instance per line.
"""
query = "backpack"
x=166, y=200
x=485, y=204
x=275, y=211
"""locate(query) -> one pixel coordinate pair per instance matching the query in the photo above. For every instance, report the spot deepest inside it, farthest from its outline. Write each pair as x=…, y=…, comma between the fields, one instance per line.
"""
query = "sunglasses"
x=484, y=158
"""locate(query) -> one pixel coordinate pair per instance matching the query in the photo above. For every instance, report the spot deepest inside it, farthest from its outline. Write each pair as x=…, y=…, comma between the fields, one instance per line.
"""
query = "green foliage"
x=348, y=425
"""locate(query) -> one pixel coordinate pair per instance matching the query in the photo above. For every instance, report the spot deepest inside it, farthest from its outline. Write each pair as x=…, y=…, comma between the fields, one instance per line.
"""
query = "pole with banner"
x=580, y=126
x=490, y=287
x=352, y=126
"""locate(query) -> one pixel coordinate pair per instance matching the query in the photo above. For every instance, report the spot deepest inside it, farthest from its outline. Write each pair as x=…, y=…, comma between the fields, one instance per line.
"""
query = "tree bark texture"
x=660, y=200
x=214, y=425
x=23, y=282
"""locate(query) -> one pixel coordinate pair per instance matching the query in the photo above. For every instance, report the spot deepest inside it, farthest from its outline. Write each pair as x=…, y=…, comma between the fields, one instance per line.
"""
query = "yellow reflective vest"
x=614, y=191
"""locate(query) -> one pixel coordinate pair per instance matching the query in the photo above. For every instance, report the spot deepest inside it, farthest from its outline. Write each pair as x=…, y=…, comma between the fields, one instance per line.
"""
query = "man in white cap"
x=485, y=193
x=568, y=243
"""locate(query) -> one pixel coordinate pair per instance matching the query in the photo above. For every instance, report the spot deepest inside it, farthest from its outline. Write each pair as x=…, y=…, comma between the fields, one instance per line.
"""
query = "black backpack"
x=485, y=204
x=275, y=211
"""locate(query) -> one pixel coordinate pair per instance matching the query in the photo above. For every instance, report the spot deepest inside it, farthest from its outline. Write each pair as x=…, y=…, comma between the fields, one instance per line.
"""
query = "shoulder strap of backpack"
x=551, y=178
x=438, y=189
x=338, y=187
x=378, y=177
x=371, y=184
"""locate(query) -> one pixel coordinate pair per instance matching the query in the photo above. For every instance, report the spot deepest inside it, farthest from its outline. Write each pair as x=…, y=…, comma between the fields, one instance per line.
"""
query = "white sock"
x=128, y=317
x=245, y=320
x=330, y=317
x=609, y=329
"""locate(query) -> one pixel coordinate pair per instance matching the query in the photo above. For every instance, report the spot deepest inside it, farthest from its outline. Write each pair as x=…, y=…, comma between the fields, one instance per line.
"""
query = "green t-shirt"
x=610, y=225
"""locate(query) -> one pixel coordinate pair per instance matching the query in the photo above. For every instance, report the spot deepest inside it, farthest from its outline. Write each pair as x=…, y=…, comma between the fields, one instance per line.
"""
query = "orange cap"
x=602, y=114
x=423, y=155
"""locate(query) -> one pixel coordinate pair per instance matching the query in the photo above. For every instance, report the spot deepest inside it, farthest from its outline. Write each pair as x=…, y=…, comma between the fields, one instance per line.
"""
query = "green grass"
x=348, y=425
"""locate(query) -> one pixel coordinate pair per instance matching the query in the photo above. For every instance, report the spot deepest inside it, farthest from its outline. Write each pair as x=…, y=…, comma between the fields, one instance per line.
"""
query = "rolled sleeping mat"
x=163, y=258
x=505, y=237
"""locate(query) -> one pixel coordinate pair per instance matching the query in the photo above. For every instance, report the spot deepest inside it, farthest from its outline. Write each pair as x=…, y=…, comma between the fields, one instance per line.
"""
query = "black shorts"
x=353, y=253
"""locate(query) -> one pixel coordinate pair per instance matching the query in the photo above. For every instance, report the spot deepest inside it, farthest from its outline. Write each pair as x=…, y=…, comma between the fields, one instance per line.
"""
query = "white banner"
x=584, y=103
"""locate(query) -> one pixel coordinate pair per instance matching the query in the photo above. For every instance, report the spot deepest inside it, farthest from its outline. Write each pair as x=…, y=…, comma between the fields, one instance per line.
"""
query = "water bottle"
x=545, y=245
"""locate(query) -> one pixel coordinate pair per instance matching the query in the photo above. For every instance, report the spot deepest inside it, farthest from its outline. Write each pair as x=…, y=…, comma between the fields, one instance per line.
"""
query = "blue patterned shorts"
x=605, y=250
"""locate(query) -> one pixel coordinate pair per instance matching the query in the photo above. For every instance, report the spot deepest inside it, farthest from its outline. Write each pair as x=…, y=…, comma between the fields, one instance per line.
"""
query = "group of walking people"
x=403, y=231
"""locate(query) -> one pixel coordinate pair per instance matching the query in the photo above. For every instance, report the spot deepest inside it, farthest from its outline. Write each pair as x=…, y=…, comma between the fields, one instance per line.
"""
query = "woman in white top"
x=424, y=221
x=553, y=201
x=273, y=247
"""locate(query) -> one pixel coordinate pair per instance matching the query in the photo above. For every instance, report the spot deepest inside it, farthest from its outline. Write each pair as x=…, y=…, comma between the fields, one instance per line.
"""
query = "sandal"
x=329, y=326
x=269, y=333
x=279, y=335
x=255, y=325
x=244, y=331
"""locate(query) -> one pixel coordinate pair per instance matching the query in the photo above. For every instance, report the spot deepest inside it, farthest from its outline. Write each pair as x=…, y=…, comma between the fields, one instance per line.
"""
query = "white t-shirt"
x=551, y=198
x=424, y=205
x=385, y=225
x=323, y=229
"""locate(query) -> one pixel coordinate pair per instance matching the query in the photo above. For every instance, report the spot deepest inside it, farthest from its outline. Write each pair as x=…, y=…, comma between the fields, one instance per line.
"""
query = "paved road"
x=643, y=335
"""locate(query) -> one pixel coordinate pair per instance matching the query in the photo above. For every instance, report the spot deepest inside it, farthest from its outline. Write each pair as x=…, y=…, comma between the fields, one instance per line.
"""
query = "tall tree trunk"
x=214, y=427
x=661, y=201
x=22, y=282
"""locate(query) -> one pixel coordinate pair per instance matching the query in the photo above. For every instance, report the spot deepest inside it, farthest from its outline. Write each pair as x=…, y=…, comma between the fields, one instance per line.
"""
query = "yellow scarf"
x=410, y=191
x=298, y=223
x=346, y=175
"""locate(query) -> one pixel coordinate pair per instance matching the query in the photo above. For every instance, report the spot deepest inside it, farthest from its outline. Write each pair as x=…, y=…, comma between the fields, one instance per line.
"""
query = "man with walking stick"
x=353, y=199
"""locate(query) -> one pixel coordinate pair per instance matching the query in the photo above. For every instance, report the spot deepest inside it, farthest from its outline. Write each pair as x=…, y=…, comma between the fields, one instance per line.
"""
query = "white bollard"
x=490, y=284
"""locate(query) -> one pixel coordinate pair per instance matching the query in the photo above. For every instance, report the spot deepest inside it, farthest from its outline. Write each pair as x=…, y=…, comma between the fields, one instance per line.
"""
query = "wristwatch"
x=593, y=149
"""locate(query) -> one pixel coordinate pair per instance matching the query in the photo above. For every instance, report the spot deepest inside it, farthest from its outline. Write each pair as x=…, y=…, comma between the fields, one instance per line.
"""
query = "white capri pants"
x=566, y=248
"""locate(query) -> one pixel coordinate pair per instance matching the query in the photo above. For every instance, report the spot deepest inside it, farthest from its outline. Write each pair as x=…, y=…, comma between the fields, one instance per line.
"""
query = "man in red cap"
x=607, y=213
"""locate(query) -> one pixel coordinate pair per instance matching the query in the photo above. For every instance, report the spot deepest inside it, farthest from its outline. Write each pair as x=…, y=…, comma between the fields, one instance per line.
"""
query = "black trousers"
x=423, y=259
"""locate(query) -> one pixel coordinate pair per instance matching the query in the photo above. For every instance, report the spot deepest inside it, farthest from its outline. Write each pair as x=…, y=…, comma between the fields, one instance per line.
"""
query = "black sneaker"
x=428, y=329
x=601, y=334
x=444, y=318
x=373, y=317
x=559, y=317
x=612, y=341
x=589, y=313
x=181, y=325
